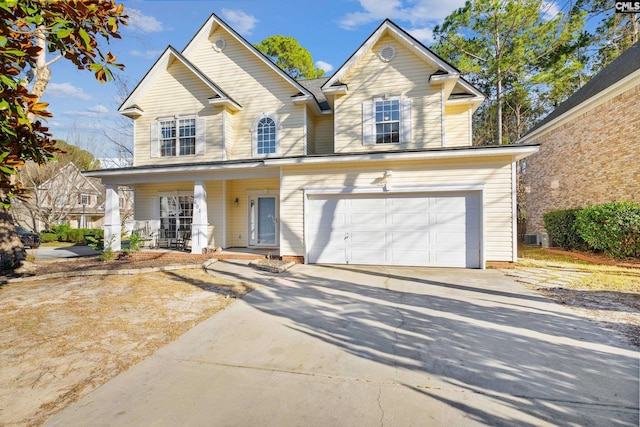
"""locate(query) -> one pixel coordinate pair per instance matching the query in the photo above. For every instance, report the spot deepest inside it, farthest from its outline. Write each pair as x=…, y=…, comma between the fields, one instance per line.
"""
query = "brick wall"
x=594, y=159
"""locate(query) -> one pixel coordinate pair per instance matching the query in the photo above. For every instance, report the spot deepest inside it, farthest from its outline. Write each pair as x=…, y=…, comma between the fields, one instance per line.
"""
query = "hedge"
x=76, y=235
x=613, y=228
x=560, y=226
x=48, y=237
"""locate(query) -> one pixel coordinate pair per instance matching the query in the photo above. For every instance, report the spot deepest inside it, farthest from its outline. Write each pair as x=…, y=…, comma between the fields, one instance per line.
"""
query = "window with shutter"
x=386, y=121
x=178, y=137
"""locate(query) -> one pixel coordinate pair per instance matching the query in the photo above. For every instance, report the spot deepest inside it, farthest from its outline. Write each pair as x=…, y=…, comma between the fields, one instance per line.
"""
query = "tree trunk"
x=11, y=249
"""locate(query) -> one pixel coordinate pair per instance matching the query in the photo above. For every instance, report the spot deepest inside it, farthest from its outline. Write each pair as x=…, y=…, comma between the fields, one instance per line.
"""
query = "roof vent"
x=387, y=53
x=219, y=44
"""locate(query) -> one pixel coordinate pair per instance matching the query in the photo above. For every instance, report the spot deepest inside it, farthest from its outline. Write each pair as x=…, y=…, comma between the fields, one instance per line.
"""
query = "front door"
x=263, y=221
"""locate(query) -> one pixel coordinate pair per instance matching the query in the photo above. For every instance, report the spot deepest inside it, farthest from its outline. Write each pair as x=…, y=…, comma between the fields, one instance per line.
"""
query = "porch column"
x=112, y=226
x=199, y=237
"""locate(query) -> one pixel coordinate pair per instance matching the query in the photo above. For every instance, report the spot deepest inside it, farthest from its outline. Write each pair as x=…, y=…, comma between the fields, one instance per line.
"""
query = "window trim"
x=369, y=131
x=157, y=140
x=254, y=136
x=375, y=121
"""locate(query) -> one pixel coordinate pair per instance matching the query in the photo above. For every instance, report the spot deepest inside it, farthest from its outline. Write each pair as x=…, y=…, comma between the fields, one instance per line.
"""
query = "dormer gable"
x=445, y=74
x=218, y=97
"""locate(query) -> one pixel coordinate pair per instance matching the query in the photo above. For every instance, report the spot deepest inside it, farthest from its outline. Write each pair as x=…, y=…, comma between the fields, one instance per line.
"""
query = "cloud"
x=143, y=24
x=98, y=109
x=67, y=90
x=549, y=10
x=415, y=12
x=240, y=21
x=324, y=66
x=147, y=54
x=425, y=35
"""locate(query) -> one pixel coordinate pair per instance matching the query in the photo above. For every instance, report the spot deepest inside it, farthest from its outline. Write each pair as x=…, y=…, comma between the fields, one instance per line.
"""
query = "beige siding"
x=406, y=75
x=177, y=92
x=146, y=193
x=257, y=88
x=324, y=134
x=457, y=125
x=494, y=174
x=238, y=216
x=229, y=120
x=311, y=134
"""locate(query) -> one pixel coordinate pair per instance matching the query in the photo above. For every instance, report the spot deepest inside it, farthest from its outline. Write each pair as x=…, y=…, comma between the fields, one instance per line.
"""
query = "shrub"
x=561, y=228
x=613, y=228
x=48, y=237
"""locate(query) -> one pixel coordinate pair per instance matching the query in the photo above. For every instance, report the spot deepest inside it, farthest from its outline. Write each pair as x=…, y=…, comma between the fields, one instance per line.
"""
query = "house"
x=589, y=145
x=374, y=165
x=67, y=197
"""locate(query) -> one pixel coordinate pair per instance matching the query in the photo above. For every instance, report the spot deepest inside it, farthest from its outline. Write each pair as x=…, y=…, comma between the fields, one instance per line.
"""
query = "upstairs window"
x=386, y=121
x=266, y=133
x=177, y=137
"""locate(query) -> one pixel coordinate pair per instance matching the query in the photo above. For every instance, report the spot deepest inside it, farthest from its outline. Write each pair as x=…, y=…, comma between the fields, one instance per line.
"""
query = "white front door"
x=263, y=221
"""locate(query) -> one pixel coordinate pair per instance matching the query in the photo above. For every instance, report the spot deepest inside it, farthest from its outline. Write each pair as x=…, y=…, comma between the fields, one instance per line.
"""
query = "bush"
x=76, y=235
x=562, y=230
x=613, y=228
x=48, y=237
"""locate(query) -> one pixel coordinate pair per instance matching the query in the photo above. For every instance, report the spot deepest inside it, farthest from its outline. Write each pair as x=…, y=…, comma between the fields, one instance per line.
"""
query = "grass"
x=604, y=278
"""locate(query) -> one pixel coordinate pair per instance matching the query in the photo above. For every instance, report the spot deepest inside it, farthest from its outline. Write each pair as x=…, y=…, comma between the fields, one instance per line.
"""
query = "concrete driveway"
x=50, y=252
x=351, y=346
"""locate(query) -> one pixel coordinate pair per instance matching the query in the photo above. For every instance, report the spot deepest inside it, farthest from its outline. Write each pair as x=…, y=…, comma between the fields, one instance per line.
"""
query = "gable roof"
x=129, y=106
x=388, y=26
x=70, y=174
x=213, y=22
x=624, y=65
x=315, y=87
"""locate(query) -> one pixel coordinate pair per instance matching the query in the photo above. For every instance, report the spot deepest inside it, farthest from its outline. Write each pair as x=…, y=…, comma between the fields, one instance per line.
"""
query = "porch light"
x=236, y=202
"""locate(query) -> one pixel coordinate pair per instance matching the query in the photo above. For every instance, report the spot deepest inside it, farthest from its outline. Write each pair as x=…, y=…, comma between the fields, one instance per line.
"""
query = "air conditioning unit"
x=546, y=241
x=531, y=240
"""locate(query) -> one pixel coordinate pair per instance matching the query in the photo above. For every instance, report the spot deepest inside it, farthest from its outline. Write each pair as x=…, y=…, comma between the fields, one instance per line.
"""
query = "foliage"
x=48, y=237
x=292, y=58
x=28, y=30
x=83, y=159
x=613, y=228
x=500, y=45
x=134, y=243
x=77, y=235
x=562, y=230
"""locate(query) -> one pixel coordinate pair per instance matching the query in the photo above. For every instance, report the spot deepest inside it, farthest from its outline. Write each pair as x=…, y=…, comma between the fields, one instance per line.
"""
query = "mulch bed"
x=598, y=258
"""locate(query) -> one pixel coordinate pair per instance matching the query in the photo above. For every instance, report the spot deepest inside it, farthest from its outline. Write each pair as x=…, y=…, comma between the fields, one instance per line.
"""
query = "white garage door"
x=440, y=230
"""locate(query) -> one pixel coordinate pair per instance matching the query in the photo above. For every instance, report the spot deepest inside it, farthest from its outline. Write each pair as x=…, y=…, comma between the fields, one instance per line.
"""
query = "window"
x=177, y=137
x=387, y=121
x=265, y=135
x=266, y=143
x=84, y=199
x=176, y=215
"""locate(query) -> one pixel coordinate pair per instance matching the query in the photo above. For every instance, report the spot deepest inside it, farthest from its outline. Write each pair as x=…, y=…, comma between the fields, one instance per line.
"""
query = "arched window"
x=265, y=133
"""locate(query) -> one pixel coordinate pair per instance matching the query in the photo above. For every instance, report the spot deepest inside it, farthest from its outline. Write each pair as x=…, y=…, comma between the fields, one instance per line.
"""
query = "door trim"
x=253, y=196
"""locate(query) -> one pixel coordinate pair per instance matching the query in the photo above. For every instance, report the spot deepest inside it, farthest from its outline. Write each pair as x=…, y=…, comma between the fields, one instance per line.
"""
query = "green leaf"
x=85, y=37
x=63, y=33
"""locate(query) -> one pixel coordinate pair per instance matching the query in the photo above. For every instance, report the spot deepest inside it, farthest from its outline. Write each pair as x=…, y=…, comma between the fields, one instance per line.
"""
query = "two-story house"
x=374, y=165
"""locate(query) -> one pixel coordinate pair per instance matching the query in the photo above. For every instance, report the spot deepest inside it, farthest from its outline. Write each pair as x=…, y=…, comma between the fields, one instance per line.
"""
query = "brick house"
x=589, y=145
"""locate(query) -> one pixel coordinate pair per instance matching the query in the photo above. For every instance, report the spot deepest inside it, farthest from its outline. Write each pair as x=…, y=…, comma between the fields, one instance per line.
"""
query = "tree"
x=613, y=34
x=292, y=58
x=500, y=44
x=29, y=29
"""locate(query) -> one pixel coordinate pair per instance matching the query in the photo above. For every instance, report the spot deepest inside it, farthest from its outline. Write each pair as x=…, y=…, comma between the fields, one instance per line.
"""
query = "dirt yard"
x=62, y=338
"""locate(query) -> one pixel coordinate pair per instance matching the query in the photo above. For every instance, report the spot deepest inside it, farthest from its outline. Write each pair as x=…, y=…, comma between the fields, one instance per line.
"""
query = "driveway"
x=354, y=346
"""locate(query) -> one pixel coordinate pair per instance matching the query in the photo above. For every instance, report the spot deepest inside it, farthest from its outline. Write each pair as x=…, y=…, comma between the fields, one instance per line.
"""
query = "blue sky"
x=330, y=29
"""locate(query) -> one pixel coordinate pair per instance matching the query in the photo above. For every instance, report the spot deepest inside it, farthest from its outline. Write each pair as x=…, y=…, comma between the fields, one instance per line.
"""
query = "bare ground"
x=62, y=338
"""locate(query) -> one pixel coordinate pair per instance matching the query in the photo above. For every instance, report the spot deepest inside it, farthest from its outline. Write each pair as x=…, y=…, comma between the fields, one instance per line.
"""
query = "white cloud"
x=147, y=54
x=549, y=9
x=415, y=12
x=67, y=90
x=98, y=109
x=240, y=21
x=142, y=23
x=324, y=66
x=425, y=35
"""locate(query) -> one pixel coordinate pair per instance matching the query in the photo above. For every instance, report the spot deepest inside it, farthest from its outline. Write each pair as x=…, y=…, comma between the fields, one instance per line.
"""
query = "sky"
x=331, y=30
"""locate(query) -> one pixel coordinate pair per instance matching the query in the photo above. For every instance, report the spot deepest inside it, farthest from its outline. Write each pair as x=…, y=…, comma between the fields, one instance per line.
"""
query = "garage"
x=424, y=229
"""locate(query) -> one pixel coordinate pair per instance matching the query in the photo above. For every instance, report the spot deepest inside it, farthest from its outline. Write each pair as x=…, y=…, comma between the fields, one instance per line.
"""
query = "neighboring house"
x=68, y=197
x=374, y=165
x=590, y=145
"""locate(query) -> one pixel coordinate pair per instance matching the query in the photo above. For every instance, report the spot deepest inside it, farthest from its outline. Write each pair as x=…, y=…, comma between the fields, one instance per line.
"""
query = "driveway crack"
x=380, y=406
